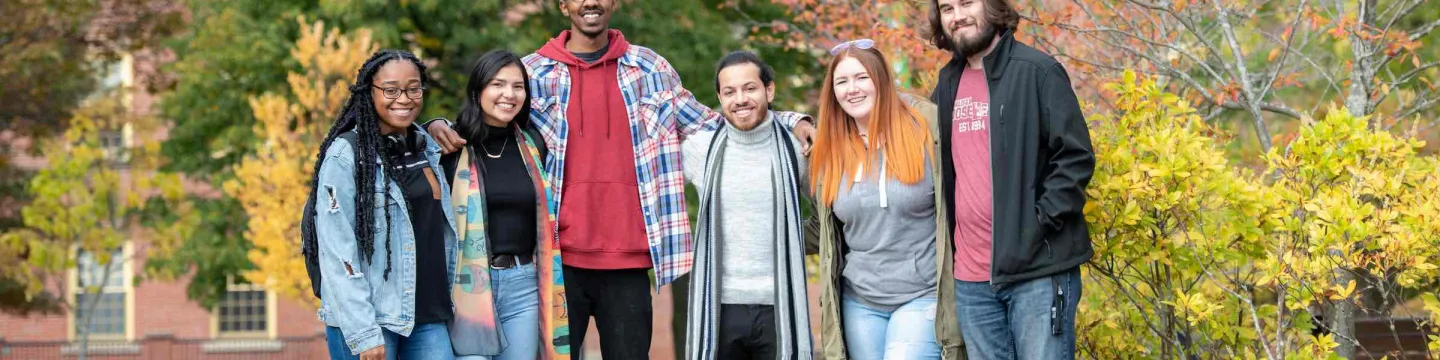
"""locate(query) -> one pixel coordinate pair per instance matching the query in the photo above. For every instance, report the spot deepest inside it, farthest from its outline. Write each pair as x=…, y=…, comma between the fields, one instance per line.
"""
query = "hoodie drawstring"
x=612, y=69
x=579, y=100
x=879, y=182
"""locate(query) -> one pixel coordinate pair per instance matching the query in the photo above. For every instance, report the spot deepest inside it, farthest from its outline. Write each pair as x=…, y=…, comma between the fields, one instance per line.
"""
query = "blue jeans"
x=426, y=341
x=904, y=334
x=1034, y=319
x=517, y=302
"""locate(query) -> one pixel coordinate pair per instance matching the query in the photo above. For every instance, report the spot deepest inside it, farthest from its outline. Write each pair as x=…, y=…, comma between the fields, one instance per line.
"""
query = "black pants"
x=620, y=302
x=747, y=332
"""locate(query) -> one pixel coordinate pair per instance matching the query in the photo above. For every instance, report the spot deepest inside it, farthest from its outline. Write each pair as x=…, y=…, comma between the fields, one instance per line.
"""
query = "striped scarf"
x=792, y=313
x=476, y=328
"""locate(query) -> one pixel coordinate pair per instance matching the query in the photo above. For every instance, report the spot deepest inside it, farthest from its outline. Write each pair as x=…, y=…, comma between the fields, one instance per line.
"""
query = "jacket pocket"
x=653, y=112
x=548, y=107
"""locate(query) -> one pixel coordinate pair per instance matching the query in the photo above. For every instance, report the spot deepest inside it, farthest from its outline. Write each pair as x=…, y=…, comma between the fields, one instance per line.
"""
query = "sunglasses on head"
x=858, y=44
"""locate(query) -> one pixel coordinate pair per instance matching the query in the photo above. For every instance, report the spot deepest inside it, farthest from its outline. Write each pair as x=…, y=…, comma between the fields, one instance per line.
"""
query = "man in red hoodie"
x=612, y=114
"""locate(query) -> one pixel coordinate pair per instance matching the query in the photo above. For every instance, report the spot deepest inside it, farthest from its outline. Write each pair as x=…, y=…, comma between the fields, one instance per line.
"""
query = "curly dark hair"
x=359, y=114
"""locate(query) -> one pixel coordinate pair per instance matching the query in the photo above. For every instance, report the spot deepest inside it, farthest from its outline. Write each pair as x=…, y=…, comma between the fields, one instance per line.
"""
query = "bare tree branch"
x=1409, y=8
x=1424, y=30
x=1285, y=50
x=1261, y=130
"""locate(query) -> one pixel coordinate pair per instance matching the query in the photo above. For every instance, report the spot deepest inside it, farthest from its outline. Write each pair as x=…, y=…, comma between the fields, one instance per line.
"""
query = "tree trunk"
x=1342, y=319
x=1358, y=100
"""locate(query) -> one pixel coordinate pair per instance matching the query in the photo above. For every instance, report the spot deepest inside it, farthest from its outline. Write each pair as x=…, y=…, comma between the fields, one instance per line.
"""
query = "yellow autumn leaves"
x=1197, y=255
x=273, y=184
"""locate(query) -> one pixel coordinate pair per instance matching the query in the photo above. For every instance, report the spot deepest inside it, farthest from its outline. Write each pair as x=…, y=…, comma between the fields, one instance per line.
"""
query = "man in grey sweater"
x=747, y=297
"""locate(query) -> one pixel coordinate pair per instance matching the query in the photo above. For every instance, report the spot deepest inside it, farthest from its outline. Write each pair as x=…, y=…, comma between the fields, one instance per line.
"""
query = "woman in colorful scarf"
x=380, y=227
x=509, y=296
x=873, y=170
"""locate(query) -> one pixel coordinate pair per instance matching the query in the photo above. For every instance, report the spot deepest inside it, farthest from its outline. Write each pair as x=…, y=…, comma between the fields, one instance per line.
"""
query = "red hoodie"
x=601, y=226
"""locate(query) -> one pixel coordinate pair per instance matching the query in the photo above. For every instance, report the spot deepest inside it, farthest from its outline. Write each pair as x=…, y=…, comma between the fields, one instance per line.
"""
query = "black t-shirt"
x=509, y=194
x=592, y=57
x=421, y=187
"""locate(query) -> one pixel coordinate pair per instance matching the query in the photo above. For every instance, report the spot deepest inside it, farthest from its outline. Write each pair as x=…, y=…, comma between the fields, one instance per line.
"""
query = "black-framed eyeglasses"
x=858, y=44
x=392, y=93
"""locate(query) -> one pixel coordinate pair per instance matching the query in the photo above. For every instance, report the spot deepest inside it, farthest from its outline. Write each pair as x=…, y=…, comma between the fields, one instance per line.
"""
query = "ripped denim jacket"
x=356, y=296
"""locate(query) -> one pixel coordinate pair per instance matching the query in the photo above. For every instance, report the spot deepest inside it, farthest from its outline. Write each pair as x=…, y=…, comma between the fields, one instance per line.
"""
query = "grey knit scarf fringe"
x=792, y=314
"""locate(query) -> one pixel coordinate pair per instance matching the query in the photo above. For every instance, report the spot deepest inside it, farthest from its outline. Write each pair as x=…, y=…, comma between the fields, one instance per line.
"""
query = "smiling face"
x=590, y=18
x=397, y=114
x=744, y=98
x=965, y=23
x=854, y=89
x=503, y=97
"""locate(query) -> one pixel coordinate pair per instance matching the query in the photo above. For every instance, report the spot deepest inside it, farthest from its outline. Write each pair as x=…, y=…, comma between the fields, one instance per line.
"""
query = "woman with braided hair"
x=383, y=223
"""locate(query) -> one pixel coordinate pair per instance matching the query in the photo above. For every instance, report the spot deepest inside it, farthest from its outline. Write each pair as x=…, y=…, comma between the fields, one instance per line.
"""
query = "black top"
x=592, y=57
x=510, y=206
x=421, y=188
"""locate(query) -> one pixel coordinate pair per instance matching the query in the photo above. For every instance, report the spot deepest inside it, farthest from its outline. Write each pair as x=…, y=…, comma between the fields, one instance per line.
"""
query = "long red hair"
x=896, y=129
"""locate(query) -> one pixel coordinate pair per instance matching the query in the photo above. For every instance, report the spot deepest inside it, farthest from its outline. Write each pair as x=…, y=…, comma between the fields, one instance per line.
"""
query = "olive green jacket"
x=947, y=325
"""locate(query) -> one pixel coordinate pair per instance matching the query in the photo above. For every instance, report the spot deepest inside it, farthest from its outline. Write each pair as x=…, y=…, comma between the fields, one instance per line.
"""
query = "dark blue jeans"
x=426, y=341
x=1034, y=319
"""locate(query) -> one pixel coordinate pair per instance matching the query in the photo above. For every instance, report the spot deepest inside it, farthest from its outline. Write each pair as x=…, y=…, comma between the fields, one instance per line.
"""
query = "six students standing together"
x=946, y=228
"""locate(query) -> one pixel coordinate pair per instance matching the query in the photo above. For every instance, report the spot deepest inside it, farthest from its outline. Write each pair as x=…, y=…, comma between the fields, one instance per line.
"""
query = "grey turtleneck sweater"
x=746, y=203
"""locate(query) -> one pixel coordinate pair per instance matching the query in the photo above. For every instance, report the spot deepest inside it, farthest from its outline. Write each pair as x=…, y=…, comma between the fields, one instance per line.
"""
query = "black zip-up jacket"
x=1040, y=161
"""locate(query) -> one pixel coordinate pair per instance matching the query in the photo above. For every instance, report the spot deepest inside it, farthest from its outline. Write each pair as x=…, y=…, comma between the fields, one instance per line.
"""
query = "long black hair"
x=471, y=122
x=359, y=114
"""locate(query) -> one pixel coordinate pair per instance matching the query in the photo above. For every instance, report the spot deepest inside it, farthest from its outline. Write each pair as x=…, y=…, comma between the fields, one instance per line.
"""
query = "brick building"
x=153, y=319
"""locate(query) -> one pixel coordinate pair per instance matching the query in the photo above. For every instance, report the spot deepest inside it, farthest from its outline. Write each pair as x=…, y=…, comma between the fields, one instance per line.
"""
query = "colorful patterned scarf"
x=476, y=328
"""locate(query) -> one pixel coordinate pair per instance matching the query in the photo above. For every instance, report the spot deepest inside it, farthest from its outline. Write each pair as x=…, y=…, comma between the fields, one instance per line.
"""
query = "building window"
x=245, y=311
x=100, y=295
x=116, y=143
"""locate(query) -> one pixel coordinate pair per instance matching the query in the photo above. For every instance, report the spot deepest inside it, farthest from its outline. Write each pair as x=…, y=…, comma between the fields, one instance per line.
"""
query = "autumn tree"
x=53, y=50
x=1270, y=61
x=1196, y=257
x=101, y=177
x=273, y=184
x=1174, y=227
x=1361, y=206
x=1266, y=60
x=899, y=28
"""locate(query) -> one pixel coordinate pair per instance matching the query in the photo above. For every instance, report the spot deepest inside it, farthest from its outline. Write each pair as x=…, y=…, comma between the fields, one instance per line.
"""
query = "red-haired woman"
x=873, y=169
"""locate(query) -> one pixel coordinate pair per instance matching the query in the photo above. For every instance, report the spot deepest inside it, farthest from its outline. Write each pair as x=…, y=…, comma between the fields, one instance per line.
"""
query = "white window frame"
x=127, y=268
x=271, y=311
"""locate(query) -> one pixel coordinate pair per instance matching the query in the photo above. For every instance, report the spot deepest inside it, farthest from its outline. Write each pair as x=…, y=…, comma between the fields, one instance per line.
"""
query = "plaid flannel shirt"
x=660, y=112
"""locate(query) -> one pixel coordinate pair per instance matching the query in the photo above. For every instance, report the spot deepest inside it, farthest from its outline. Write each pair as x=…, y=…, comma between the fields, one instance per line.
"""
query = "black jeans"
x=620, y=302
x=747, y=332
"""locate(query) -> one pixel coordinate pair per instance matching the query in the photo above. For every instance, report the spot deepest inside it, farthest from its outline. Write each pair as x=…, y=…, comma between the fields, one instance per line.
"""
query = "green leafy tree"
x=54, y=51
x=89, y=198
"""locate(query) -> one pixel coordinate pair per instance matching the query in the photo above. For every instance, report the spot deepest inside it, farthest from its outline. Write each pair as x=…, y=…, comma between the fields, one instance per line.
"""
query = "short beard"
x=967, y=49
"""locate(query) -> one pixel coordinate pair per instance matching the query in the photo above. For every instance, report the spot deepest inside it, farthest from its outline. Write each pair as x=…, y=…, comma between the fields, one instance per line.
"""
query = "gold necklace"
x=502, y=149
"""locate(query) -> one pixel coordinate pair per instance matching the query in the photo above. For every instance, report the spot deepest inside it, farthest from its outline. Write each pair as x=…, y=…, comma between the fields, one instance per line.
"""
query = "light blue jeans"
x=908, y=333
x=1034, y=319
x=426, y=341
x=517, y=302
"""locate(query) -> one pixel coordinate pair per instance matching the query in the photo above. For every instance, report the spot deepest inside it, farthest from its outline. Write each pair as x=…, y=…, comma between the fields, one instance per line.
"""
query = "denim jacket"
x=361, y=302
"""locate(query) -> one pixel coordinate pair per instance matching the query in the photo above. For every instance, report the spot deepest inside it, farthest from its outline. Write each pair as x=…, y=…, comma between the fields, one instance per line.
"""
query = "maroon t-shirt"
x=970, y=149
